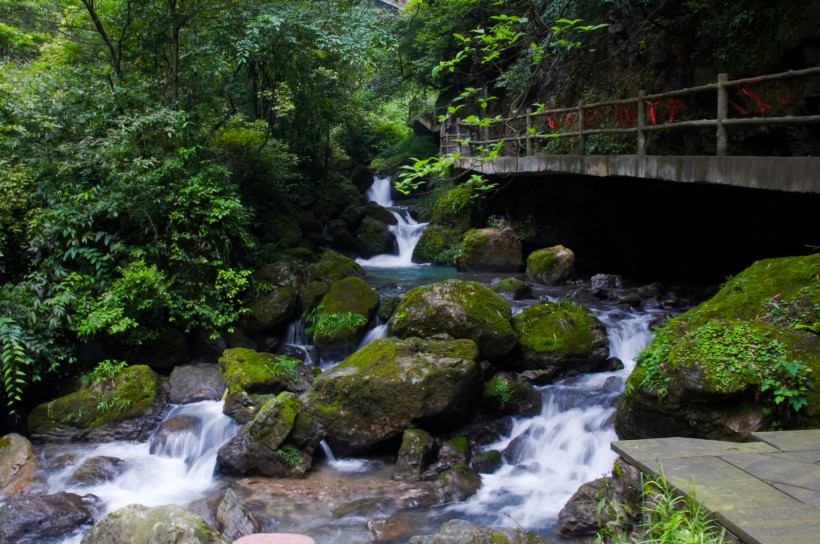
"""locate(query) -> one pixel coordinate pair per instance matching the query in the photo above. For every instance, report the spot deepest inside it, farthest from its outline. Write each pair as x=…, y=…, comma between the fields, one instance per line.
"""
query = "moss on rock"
x=550, y=265
x=516, y=288
x=462, y=309
x=332, y=325
x=321, y=275
x=490, y=250
x=560, y=334
x=439, y=244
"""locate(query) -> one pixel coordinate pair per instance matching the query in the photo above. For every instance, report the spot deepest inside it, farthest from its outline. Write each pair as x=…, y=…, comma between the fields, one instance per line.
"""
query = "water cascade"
x=174, y=467
x=407, y=230
x=548, y=457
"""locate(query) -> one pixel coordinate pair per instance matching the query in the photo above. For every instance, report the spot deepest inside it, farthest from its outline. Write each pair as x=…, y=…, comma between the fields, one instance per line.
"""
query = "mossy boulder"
x=391, y=385
x=550, y=265
x=18, y=464
x=276, y=305
x=564, y=337
x=343, y=314
x=514, y=287
x=490, y=250
x=439, y=245
x=462, y=309
x=33, y=519
x=504, y=395
x=125, y=407
x=278, y=443
x=458, y=483
x=373, y=238
x=249, y=374
x=454, y=209
x=733, y=365
x=321, y=275
x=380, y=214
x=415, y=454
x=280, y=229
x=169, y=524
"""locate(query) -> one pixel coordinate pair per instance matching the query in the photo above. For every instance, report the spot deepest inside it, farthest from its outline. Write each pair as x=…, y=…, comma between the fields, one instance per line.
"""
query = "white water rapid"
x=407, y=230
x=548, y=457
x=179, y=471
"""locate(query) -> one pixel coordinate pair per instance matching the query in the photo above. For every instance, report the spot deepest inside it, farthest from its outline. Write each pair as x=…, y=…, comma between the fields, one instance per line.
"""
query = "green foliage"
x=320, y=323
x=282, y=364
x=290, y=454
x=105, y=371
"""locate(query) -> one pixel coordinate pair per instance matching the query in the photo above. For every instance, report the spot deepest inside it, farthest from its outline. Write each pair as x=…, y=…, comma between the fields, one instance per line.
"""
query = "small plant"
x=499, y=390
x=290, y=454
x=282, y=364
x=105, y=372
x=328, y=324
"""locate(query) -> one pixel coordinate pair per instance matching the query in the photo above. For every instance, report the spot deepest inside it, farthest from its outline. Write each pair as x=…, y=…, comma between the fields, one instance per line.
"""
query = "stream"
x=555, y=452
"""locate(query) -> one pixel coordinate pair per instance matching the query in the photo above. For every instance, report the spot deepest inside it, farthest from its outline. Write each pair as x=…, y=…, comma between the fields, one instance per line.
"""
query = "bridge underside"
x=790, y=174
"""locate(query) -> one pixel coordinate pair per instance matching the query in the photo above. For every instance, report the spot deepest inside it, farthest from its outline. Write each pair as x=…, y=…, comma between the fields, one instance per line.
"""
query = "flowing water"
x=547, y=457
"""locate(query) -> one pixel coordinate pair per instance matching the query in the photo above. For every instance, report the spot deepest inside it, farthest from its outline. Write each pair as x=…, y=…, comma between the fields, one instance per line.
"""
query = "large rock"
x=514, y=287
x=561, y=336
x=732, y=365
x=550, y=265
x=490, y=250
x=193, y=383
x=391, y=385
x=34, y=518
x=321, y=275
x=374, y=238
x=18, y=464
x=249, y=373
x=458, y=483
x=342, y=316
x=439, y=245
x=505, y=395
x=278, y=443
x=459, y=531
x=127, y=407
x=225, y=512
x=159, y=525
x=415, y=454
x=98, y=469
x=276, y=306
x=462, y=309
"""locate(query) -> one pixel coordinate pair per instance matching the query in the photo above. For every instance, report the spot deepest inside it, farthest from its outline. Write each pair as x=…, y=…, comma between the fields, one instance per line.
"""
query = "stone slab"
x=792, y=525
x=647, y=454
x=808, y=440
x=799, y=480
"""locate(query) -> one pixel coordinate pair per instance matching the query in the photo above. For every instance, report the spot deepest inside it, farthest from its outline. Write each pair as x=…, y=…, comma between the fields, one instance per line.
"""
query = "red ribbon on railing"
x=553, y=124
x=652, y=117
x=762, y=106
x=740, y=109
x=625, y=116
x=674, y=106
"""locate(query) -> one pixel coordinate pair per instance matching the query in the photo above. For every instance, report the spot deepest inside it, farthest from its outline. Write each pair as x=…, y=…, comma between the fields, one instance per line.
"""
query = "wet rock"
x=516, y=451
x=391, y=385
x=174, y=434
x=96, y=470
x=158, y=525
x=339, y=234
x=135, y=403
x=632, y=299
x=361, y=507
x=490, y=250
x=347, y=296
x=514, y=287
x=436, y=245
x=34, y=518
x=233, y=518
x=612, y=364
x=381, y=214
x=274, y=308
x=580, y=515
x=459, y=531
x=238, y=339
x=458, y=483
x=563, y=336
x=193, y=383
x=415, y=454
x=504, y=394
x=550, y=265
x=462, y=309
x=392, y=529
x=374, y=238
x=602, y=284
x=486, y=462
x=321, y=275
x=18, y=464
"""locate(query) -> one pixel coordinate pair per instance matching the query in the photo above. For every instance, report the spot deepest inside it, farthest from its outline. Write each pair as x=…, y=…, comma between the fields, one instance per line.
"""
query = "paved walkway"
x=765, y=492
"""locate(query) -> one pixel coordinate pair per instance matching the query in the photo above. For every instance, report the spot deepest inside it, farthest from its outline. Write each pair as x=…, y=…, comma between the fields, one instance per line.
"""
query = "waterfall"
x=407, y=230
x=346, y=465
x=379, y=331
x=174, y=467
x=548, y=457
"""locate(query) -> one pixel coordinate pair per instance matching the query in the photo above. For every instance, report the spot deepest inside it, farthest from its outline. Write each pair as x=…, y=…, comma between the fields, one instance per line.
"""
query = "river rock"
x=505, y=395
x=135, y=405
x=462, y=309
x=248, y=373
x=173, y=433
x=193, y=383
x=513, y=287
x=458, y=531
x=349, y=297
x=490, y=250
x=458, y=483
x=321, y=275
x=374, y=238
x=391, y=385
x=34, y=518
x=602, y=285
x=561, y=335
x=98, y=469
x=380, y=214
x=415, y=454
x=703, y=374
x=278, y=443
x=486, y=462
x=233, y=518
x=438, y=245
x=339, y=235
x=159, y=525
x=550, y=265
x=276, y=306
x=18, y=464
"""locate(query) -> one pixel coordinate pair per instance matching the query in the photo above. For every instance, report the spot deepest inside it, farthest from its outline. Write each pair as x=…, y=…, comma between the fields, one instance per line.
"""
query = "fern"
x=15, y=357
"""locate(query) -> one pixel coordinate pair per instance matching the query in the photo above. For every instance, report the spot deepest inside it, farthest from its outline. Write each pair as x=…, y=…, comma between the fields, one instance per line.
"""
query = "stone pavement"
x=765, y=492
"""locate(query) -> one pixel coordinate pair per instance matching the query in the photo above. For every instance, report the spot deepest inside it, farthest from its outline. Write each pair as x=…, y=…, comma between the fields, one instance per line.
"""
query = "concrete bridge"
x=519, y=143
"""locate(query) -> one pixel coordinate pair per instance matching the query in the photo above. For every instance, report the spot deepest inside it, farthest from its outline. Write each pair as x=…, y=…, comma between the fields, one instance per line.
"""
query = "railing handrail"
x=720, y=121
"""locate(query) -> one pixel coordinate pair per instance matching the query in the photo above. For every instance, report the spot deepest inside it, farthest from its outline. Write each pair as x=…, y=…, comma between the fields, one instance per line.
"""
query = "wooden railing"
x=763, y=100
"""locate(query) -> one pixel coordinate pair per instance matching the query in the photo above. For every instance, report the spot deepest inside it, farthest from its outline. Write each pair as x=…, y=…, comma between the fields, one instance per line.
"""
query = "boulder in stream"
x=18, y=464
x=159, y=525
x=342, y=316
x=490, y=250
x=561, y=336
x=438, y=245
x=514, y=287
x=461, y=309
x=97, y=469
x=33, y=518
x=192, y=383
x=275, y=307
x=391, y=385
x=415, y=454
x=374, y=238
x=550, y=265
x=321, y=275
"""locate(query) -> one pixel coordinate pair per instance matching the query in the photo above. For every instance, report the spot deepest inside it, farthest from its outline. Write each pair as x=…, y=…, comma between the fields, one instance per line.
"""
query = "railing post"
x=641, y=124
x=458, y=136
x=722, y=114
x=581, y=138
x=529, y=132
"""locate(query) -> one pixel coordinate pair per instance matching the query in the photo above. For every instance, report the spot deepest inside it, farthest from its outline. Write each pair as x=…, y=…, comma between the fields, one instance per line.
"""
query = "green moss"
x=453, y=208
x=513, y=286
x=275, y=420
x=460, y=444
x=474, y=238
x=542, y=259
x=244, y=369
x=5, y=442
x=439, y=244
x=321, y=275
x=563, y=328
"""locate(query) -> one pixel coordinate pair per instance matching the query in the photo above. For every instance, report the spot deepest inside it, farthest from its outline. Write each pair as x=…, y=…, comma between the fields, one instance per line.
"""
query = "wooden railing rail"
x=639, y=117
